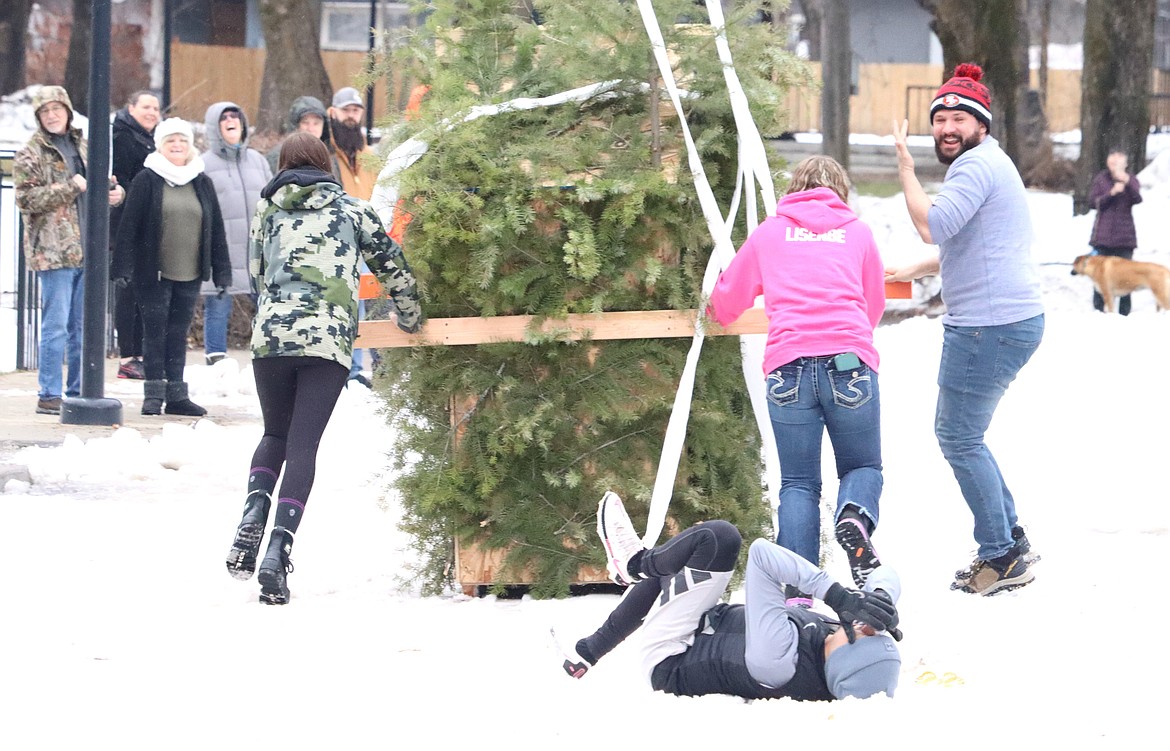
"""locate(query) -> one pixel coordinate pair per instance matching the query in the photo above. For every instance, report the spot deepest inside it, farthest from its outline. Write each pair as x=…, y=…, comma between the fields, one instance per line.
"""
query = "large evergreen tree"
x=575, y=208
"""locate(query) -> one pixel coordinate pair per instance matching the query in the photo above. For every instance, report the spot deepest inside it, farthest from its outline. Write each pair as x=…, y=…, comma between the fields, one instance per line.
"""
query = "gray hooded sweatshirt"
x=239, y=173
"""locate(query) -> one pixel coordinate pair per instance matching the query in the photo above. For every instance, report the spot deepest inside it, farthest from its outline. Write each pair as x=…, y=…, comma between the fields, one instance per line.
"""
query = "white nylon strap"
x=721, y=257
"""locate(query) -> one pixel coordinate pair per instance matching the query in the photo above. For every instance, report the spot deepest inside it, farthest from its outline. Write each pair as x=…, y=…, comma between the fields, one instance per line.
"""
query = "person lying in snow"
x=764, y=649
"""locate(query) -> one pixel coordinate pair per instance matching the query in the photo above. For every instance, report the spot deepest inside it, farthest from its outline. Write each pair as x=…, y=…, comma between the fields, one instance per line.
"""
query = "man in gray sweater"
x=994, y=319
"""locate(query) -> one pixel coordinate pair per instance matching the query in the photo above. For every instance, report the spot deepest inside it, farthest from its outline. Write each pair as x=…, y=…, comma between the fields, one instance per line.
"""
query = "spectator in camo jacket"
x=308, y=240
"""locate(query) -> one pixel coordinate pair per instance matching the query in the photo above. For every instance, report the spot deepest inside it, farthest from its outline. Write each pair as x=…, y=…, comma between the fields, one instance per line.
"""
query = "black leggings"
x=297, y=396
x=707, y=546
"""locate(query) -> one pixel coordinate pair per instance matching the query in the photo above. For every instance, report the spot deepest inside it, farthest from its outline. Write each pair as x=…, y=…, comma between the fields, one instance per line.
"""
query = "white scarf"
x=173, y=174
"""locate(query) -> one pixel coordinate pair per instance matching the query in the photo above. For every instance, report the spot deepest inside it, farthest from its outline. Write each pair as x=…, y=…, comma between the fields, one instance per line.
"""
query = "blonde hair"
x=820, y=171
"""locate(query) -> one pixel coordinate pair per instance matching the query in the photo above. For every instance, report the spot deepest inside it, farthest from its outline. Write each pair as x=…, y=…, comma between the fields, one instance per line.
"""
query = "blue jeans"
x=805, y=397
x=978, y=364
x=62, y=307
x=217, y=311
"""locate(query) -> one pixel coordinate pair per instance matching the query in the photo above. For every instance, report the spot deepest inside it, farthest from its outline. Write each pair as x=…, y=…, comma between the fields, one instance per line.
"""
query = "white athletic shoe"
x=619, y=538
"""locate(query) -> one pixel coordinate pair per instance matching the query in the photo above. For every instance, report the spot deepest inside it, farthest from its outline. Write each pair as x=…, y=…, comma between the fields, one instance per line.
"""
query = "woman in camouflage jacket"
x=307, y=243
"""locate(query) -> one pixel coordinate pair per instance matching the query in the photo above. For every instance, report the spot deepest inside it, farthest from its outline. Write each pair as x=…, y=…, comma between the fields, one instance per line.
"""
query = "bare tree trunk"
x=836, y=77
x=812, y=25
x=292, y=66
x=77, y=63
x=1115, y=87
x=993, y=34
x=1045, y=33
x=13, y=27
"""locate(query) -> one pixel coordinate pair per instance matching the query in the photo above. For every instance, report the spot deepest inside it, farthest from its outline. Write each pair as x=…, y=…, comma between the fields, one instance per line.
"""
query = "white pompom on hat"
x=170, y=127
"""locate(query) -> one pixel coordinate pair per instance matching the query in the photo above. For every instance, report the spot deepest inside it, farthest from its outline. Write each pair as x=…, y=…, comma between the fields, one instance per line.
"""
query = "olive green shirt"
x=182, y=227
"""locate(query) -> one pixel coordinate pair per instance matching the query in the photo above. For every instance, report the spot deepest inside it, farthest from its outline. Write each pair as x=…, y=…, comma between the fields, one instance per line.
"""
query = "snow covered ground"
x=122, y=629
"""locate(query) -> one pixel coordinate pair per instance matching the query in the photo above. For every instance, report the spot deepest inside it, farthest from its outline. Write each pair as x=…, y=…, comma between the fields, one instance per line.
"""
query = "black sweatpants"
x=297, y=396
x=167, y=307
x=127, y=321
x=707, y=546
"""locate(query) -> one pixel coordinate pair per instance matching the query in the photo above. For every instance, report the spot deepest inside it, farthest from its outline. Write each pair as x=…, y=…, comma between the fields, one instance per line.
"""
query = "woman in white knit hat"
x=170, y=241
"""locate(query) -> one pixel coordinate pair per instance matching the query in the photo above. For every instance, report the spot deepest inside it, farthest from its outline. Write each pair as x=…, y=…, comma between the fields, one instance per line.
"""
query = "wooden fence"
x=203, y=74
x=892, y=91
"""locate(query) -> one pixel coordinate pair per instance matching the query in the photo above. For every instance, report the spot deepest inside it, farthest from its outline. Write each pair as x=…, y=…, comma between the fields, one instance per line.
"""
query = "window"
x=346, y=25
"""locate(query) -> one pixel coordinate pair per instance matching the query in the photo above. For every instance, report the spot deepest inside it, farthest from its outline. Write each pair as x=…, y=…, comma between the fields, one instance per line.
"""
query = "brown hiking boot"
x=1009, y=571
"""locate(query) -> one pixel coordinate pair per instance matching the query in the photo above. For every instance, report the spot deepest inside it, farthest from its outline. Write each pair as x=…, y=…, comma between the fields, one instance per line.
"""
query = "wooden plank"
x=476, y=566
x=634, y=324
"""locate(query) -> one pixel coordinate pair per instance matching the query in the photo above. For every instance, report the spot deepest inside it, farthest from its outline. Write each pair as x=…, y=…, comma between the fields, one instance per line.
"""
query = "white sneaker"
x=619, y=538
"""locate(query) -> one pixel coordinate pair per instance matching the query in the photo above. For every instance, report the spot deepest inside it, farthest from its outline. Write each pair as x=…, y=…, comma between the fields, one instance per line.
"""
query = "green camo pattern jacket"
x=46, y=196
x=305, y=253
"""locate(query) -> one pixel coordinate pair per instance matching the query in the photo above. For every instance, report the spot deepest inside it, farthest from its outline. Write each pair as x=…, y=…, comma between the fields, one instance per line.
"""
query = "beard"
x=348, y=138
x=965, y=144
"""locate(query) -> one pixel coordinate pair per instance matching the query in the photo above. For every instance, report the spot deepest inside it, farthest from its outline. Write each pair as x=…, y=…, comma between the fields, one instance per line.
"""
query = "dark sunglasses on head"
x=230, y=114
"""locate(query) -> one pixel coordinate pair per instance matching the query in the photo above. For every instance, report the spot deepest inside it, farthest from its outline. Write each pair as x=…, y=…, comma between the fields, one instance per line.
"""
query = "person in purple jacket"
x=821, y=275
x=994, y=319
x=1113, y=194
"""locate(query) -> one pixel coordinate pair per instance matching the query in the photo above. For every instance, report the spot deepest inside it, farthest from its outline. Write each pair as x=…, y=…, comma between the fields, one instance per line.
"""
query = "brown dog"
x=1118, y=276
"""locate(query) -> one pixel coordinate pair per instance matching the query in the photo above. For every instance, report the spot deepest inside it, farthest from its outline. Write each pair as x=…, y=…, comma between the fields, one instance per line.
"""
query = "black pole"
x=91, y=408
x=370, y=89
x=166, y=87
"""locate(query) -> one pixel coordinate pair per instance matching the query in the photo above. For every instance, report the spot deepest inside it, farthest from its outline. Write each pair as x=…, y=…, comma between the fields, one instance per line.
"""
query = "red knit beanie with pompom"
x=964, y=92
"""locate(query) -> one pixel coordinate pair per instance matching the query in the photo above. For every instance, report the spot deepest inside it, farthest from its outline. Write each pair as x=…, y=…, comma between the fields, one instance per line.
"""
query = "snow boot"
x=241, y=559
x=276, y=567
x=852, y=535
x=153, y=393
x=179, y=404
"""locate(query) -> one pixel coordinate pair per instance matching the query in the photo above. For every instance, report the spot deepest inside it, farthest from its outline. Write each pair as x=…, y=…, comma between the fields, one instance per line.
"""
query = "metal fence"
x=24, y=298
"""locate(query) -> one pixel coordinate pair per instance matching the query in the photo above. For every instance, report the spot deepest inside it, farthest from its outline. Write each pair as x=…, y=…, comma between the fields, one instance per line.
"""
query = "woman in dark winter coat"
x=170, y=241
x=307, y=243
x=1113, y=194
x=132, y=139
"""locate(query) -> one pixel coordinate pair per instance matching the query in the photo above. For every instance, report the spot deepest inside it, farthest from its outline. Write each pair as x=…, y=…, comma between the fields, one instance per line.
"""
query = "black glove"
x=121, y=282
x=873, y=609
x=892, y=629
x=220, y=292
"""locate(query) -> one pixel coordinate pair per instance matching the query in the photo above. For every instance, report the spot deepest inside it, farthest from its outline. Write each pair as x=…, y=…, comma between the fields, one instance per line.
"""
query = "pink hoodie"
x=821, y=275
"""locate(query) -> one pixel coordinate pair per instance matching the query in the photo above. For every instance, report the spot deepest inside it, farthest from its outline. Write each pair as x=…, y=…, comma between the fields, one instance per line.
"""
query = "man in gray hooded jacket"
x=239, y=173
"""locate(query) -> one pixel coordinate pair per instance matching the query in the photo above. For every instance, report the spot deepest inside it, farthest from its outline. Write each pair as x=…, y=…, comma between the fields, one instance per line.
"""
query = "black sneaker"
x=275, y=568
x=577, y=664
x=794, y=598
x=1009, y=571
x=241, y=558
x=859, y=552
x=1022, y=546
x=359, y=378
x=132, y=369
